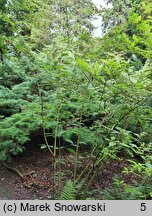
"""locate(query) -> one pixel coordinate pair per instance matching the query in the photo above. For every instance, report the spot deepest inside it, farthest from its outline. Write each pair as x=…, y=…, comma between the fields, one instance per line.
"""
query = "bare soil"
x=36, y=166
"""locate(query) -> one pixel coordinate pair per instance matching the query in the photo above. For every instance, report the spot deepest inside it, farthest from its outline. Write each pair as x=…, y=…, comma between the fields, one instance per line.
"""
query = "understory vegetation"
x=86, y=95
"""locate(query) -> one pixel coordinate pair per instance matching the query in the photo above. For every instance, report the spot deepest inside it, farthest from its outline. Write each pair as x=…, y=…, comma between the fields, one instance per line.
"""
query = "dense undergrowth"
x=77, y=91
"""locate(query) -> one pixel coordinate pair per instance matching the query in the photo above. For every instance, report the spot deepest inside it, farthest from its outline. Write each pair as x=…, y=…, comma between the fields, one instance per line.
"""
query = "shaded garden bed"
x=36, y=166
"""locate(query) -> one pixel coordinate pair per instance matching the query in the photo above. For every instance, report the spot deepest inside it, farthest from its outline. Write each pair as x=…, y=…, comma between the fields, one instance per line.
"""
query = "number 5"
x=143, y=207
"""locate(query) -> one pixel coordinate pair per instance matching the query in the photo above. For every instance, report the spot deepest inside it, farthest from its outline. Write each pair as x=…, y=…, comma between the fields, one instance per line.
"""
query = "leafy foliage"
x=139, y=189
x=59, y=81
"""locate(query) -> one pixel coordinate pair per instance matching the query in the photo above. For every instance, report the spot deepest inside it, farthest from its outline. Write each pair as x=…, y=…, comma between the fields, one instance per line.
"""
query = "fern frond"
x=68, y=192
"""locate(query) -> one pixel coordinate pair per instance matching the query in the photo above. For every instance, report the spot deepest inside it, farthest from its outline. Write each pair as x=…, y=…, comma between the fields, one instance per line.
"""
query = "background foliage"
x=58, y=80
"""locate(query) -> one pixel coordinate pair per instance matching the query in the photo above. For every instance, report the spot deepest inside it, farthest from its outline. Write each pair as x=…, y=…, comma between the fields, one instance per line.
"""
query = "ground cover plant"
x=81, y=102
